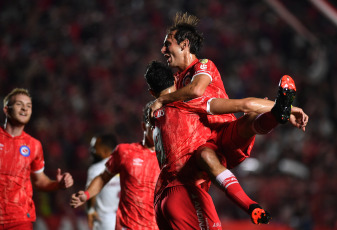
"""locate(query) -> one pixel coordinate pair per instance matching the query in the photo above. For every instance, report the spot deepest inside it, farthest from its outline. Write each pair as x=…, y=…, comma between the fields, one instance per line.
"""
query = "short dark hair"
x=159, y=76
x=146, y=113
x=108, y=140
x=186, y=27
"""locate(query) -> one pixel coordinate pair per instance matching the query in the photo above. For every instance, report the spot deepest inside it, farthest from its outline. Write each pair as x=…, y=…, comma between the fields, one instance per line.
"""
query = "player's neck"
x=188, y=59
x=147, y=144
x=13, y=130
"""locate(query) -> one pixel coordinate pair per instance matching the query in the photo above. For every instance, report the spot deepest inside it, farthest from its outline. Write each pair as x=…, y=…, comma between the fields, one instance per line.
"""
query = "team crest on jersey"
x=203, y=61
x=159, y=113
x=24, y=151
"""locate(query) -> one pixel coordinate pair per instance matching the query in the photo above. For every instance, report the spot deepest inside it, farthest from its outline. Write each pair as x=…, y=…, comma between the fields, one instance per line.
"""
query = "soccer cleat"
x=258, y=215
x=285, y=97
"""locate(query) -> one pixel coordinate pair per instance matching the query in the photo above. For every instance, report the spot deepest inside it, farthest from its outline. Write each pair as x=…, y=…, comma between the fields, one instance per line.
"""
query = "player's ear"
x=185, y=44
x=5, y=109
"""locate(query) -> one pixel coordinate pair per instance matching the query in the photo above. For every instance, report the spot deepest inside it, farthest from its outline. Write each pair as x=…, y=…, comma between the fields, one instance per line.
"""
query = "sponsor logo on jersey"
x=203, y=61
x=138, y=161
x=24, y=151
x=203, y=67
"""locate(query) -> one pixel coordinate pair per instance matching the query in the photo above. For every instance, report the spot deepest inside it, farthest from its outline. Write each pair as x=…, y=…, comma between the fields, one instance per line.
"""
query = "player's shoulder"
x=31, y=139
x=205, y=61
x=204, y=64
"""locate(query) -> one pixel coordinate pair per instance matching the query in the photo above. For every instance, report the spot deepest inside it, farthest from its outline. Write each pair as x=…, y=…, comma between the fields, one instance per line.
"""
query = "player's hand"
x=77, y=199
x=64, y=180
x=157, y=104
x=298, y=118
x=92, y=216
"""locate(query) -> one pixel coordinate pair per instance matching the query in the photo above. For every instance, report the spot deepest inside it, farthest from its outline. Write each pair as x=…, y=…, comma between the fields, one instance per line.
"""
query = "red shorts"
x=186, y=207
x=231, y=148
x=17, y=226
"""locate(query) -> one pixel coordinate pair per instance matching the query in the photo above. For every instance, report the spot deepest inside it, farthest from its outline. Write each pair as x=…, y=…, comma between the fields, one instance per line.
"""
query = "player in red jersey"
x=22, y=165
x=138, y=168
x=160, y=80
x=197, y=78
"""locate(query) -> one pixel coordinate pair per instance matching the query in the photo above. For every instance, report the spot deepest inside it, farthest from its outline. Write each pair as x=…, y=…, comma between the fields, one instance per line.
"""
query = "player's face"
x=172, y=51
x=20, y=111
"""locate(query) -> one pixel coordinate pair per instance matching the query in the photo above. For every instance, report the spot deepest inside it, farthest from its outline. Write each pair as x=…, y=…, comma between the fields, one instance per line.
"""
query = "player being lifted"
x=174, y=115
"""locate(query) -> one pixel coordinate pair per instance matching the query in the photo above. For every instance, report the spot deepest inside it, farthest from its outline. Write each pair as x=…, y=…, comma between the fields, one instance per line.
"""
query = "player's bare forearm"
x=193, y=90
x=96, y=185
x=245, y=105
x=44, y=183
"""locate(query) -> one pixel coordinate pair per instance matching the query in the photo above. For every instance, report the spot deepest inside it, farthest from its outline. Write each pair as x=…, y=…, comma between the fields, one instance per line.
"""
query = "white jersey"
x=107, y=200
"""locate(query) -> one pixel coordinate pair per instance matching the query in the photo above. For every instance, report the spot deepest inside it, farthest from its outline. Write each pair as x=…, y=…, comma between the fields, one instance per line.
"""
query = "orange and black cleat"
x=258, y=215
x=285, y=97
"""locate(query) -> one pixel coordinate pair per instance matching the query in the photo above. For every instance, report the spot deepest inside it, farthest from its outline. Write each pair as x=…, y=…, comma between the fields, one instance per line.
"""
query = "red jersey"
x=178, y=133
x=215, y=89
x=19, y=157
x=138, y=169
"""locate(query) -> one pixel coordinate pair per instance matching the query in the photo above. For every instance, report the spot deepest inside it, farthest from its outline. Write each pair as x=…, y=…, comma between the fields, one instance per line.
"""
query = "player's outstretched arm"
x=193, y=90
x=96, y=185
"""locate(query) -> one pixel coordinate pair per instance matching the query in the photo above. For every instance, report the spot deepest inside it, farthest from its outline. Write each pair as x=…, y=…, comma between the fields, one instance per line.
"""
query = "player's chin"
x=23, y=121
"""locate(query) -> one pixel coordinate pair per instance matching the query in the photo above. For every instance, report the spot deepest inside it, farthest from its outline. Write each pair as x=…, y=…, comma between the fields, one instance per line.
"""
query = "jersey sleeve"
x=37, y=164
x=199, y=105
x=114, y=162
x=204, y=66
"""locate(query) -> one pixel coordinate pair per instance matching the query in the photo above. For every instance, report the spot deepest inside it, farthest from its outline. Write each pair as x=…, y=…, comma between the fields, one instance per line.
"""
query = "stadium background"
x=84, y=61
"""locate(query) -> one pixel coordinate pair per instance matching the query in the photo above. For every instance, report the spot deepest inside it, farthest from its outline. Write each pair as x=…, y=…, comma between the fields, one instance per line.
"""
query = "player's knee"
x=206, y=157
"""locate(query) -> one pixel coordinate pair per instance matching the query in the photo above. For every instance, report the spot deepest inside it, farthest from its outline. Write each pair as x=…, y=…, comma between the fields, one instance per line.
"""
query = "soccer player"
x=161, y=81
x=22, y=165
x=102, y=208
x=200, y=77
x=138, y=168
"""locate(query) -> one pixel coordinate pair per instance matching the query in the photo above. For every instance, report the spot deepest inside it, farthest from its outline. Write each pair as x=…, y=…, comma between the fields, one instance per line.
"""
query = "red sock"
x=228, y=182
x=264, y=123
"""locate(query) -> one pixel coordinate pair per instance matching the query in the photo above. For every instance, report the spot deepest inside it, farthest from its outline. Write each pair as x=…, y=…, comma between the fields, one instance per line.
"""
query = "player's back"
x=138, y=169
x=177, y=135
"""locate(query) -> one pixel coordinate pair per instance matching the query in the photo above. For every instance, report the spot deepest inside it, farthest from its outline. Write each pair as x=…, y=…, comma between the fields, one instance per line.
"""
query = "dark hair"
x=159, y=76
x=186, y=27
x=146, y=113
x=108, y=140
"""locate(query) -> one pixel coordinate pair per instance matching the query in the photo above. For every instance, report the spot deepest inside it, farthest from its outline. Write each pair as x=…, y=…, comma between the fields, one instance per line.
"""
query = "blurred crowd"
x=84, y=61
